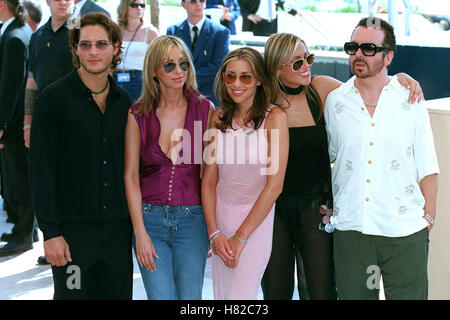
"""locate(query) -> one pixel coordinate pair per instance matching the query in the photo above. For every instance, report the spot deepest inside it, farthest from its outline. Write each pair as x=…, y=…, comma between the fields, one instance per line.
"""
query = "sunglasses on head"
x=170, y=66
x=100, y=45
x=367, y=49
x=298, y=64
x=194, y=1
x=230, y=78
x=134, y=5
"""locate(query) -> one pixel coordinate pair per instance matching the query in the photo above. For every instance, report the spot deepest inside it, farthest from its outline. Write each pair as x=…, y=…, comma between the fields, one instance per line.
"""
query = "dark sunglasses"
x=135, y=5
x=298, y=64
x=195, y=1
x=230, y=78
x=100, y=45
x=367, y=49
x=170, y=66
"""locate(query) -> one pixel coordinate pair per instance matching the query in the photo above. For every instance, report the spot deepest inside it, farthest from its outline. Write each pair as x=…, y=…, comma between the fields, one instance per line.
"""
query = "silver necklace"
x=369, y=104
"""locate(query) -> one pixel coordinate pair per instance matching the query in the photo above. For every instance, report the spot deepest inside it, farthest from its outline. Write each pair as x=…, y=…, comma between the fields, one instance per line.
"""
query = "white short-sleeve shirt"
x=379, y=161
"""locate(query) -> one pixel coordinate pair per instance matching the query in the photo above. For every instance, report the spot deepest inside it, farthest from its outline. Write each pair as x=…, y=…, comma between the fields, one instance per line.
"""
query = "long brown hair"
x=278, y=50
x=122, y=13
x=262, y=98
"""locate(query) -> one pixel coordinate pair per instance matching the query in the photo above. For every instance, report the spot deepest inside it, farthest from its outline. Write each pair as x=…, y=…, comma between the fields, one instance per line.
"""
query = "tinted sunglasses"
x=367, y=49
x=298, y=64
x=195, y=1
x=100, y=45
x=135, y=5
x=230, y=78
x=170, y=66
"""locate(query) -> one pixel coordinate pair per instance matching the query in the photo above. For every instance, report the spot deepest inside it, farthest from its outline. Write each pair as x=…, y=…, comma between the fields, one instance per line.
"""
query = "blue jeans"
x=181, y=241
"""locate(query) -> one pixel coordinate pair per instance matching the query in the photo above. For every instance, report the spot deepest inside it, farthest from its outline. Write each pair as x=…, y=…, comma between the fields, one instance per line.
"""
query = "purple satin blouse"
x=163, y=182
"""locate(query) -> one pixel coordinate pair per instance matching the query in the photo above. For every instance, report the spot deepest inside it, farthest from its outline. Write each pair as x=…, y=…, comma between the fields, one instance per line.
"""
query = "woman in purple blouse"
x=163, y=157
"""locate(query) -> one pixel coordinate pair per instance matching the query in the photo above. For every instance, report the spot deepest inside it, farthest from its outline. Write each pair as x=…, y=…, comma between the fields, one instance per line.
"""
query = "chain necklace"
x=370, y=105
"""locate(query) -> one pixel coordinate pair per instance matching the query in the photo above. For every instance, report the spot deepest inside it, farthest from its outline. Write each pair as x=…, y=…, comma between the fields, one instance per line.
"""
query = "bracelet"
x=213, y=234
x=429, y=218
x=240, y=239
x=213, y=238
x=28, y=126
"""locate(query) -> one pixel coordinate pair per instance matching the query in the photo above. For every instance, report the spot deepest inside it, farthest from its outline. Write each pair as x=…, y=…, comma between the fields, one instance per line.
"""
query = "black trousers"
x=102, y=264
x=16, y=185
x=298, y=241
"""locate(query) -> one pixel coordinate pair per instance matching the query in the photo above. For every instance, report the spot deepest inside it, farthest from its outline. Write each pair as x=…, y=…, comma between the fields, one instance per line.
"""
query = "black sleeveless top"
x=308, y=173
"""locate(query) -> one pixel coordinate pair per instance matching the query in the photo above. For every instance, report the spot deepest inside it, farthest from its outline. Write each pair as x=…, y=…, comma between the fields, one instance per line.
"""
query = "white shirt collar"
x=5, y=25
x=199, y=24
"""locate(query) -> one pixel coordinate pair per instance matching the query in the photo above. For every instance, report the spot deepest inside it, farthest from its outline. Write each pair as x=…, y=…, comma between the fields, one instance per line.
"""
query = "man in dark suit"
x=15, y=36
x=83, y=7
x=260, y=17
x=208, y=41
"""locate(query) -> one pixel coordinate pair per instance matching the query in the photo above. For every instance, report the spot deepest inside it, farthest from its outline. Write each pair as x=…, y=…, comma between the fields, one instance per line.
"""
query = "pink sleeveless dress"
x=241, y=180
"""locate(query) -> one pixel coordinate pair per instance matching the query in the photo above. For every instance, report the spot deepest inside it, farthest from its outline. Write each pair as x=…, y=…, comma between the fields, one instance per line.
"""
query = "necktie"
x=194, y=41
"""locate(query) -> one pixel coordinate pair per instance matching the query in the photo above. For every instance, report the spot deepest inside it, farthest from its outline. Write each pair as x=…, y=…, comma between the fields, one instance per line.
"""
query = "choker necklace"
x=101, y=91
x=290, y=91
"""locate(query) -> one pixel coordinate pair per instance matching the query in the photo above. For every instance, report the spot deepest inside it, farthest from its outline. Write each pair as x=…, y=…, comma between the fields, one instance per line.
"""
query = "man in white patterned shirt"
x=384, y=177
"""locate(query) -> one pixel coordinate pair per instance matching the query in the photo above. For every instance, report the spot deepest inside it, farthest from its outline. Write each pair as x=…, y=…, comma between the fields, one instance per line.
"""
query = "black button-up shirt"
x=77, y=155
x=50, y=54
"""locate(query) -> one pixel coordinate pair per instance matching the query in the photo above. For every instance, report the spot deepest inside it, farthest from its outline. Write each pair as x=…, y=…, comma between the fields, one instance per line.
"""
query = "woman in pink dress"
x=243, y=176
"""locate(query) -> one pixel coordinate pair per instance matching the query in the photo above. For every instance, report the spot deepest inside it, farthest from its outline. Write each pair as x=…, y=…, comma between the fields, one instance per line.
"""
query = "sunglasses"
x=298, y=64
x=230, y=78
x=194, y=1
x=135, y=5
x=170, y=66
x=100, y=45
x=367, y=49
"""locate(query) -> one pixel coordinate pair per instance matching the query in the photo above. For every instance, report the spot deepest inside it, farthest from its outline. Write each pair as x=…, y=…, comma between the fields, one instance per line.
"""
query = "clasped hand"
x=229, y=250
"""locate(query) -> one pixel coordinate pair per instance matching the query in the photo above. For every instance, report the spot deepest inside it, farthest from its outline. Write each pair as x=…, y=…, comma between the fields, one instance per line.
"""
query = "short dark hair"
x=93, y=19
x=34, y=10
x=18, y=10
x=378, y=23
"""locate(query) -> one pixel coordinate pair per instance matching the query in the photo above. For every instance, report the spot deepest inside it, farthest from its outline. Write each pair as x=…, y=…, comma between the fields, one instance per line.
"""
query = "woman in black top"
x=297, y=239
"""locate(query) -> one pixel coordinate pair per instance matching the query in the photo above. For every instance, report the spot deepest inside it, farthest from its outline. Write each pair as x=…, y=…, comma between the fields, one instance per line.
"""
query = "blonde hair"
x=122, y=13
x=262, y=99
x=151, y=90
x=278, y=50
